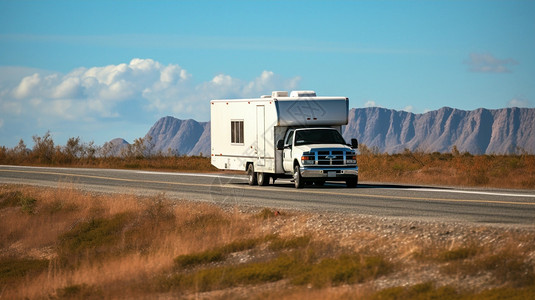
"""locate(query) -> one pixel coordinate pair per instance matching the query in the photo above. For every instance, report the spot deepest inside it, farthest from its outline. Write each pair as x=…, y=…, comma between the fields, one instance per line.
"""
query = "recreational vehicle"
x=279, y=135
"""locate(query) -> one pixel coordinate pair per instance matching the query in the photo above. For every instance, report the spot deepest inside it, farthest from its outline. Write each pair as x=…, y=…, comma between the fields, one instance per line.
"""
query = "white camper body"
x=245, y=132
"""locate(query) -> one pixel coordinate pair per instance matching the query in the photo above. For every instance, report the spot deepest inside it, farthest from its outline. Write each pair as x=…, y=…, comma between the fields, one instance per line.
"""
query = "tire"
x=352, y=182
x=298, y=180
x=262, y=178
x=251, y=175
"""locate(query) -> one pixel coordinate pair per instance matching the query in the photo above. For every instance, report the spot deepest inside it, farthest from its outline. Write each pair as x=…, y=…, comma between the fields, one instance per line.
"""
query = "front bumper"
x=330, y=173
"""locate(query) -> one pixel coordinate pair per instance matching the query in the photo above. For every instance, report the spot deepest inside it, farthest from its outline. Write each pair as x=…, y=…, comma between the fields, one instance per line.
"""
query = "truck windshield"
x=318, y=136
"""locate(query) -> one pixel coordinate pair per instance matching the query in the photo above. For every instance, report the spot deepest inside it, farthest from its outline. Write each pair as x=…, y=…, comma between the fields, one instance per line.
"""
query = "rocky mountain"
x=508, y=130
x=174, y=136
x=481, y=131
x=114, y=147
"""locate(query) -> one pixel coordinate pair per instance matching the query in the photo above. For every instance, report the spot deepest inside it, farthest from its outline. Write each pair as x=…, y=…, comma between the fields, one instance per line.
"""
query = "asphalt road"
x=485, y=206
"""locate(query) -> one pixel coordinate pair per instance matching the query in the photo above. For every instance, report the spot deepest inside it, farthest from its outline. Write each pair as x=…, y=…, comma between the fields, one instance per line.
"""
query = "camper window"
x=236, y=132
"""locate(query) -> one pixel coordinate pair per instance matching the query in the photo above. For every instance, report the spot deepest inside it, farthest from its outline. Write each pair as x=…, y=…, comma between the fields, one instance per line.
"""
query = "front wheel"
x=298, y=180
x=251, y=175
x=262, y=178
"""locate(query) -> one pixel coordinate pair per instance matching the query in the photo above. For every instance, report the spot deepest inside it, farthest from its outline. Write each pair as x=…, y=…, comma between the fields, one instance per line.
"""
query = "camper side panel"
x=242, y=133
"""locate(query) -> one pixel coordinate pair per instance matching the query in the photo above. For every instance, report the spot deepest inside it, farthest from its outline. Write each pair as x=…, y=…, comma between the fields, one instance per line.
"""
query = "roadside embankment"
x=65, y=243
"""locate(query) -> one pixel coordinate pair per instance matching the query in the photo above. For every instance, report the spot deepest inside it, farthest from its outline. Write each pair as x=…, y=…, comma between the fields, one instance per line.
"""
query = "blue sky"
x=106, y=69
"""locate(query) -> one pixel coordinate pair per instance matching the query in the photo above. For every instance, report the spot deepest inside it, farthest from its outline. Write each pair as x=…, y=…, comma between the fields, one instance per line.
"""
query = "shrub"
x=458, y=254
x=428, y=290
x=345, y=269
x=78, y=291
x=10, y=199
x=13, y=268
x=203, y=221
x=97, y=236
x=240, y=245
x=214, y=255
x=420, y=291
x=27, y=204
x=43, y=149
x=278, y=244
x=188, y=260
x=17, y=198
x=228, y=276
x=507, y=266
x=265, y=214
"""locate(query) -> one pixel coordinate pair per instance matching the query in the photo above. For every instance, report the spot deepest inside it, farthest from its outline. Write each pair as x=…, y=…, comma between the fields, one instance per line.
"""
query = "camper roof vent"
x=275, y=94
x=303, y=94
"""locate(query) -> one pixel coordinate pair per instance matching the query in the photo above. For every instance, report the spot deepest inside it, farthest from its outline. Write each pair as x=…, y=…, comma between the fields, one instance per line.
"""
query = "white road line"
x=194, y=174
x=63, y=168
x=471, y=192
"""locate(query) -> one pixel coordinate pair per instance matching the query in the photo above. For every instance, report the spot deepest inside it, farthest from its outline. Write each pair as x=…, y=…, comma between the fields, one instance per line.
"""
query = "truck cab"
x=315, y=155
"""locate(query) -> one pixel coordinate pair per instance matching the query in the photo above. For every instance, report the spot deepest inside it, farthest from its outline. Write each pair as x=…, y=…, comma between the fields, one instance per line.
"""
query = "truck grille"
x=330, y=158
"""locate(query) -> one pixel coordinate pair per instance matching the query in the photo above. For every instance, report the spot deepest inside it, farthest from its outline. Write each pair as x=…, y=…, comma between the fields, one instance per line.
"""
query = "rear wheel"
x=251, y=175
x=298, y=180
x=262, y=178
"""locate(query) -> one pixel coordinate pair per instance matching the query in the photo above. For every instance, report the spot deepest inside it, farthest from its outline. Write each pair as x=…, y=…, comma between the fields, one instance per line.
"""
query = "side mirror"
x=280, y=145
x=354, y=143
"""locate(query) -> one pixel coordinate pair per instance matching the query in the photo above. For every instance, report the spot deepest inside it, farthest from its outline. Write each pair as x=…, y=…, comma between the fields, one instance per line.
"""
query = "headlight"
x=307, y=160
x=351, y=160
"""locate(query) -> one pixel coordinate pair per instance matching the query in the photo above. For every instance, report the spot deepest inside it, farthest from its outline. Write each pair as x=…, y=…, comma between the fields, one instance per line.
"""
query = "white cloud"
x=69, y=88
x=518, y=102
x=371, y=103
x=27, y=86
x=124, y=91
x=408, y=108
x=487, y=63
x=224, y=86
x=99, y=91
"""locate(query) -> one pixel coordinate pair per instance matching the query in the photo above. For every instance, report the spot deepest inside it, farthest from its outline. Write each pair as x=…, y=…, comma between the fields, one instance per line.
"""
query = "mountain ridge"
x=480, y=131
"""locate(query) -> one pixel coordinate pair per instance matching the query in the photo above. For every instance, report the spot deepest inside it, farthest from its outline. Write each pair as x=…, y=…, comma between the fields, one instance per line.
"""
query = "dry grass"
x=505, y=262
x=78, y=154
x=77, y=245
x=499, y=171
x=97, y=241
x=156, y=162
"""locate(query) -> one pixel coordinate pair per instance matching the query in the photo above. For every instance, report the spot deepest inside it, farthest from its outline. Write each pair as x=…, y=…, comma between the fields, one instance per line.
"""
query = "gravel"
x=401, y=240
